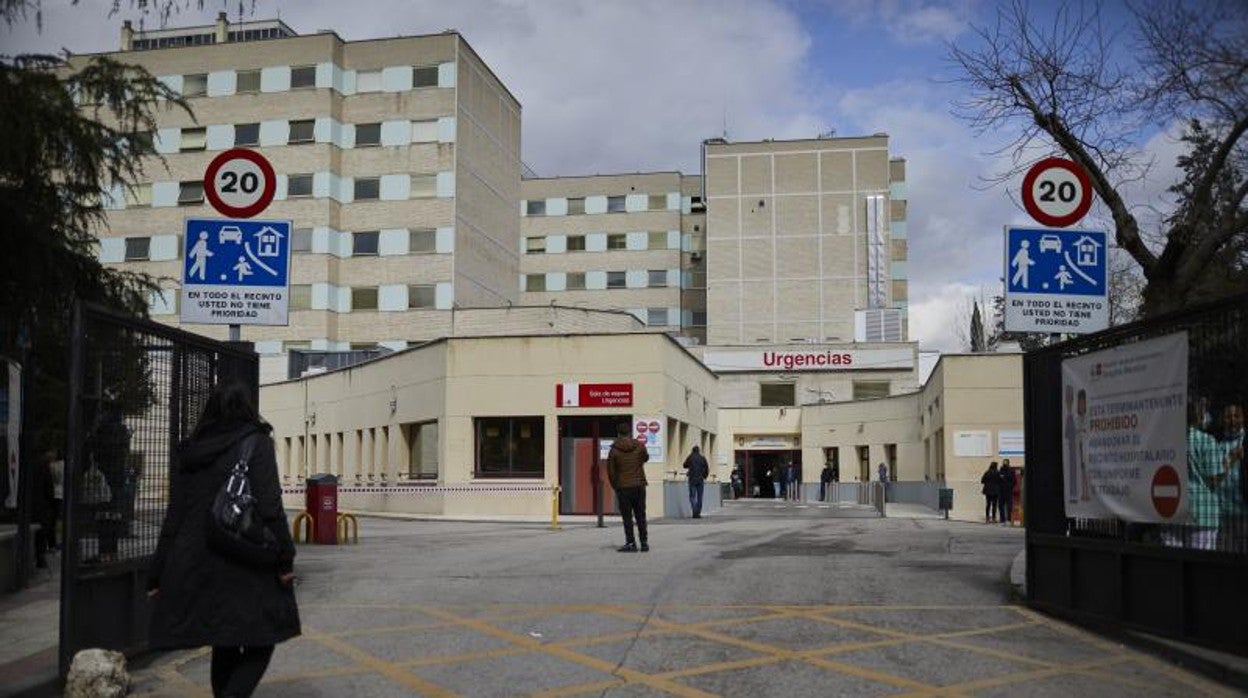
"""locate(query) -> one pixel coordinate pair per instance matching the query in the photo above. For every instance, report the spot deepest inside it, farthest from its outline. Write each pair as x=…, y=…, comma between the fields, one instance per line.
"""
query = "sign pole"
x=236, y=333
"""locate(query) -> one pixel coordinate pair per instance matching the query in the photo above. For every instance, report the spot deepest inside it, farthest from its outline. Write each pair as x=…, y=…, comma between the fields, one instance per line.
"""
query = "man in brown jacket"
x=628, y=479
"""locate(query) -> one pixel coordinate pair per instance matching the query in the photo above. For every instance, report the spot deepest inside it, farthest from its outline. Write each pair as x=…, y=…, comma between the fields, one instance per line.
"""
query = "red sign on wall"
x=593, y=395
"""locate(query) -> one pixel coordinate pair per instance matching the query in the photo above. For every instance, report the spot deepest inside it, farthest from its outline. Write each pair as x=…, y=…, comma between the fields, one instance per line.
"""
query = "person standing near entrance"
x=790, y=477
x=1006, y=503
x=991, y=481
x=825, y=481
x=628, y=478
x=698, y=470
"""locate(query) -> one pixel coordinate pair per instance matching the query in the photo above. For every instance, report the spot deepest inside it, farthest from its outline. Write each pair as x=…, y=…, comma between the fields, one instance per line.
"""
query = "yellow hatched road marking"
x=389, y=670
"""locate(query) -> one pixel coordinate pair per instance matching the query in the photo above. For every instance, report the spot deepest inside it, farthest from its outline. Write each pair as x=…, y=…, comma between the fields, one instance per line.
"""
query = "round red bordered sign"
x=1057, y=192
x=240, y=183
x=1167, y=491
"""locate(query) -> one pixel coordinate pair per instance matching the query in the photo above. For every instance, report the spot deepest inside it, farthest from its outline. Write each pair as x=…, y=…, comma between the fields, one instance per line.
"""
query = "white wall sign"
x=790, y=360
x=1124, y=432
x=653, y=430
x=1011, y=442
x=972, y=443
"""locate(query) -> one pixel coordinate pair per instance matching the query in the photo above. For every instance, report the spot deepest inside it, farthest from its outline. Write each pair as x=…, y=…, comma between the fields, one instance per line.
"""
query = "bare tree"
x=1072, y=83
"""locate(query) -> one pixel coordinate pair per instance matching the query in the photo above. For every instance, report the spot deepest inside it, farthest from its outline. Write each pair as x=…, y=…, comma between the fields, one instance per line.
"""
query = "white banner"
x=972, y=443
x=1124, y=432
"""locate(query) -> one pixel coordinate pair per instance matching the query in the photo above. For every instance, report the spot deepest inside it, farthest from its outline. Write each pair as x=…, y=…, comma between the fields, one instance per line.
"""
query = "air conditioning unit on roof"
x=878, y=325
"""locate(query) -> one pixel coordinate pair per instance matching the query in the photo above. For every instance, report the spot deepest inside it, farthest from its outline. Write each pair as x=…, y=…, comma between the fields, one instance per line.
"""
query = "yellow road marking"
x=387, y=669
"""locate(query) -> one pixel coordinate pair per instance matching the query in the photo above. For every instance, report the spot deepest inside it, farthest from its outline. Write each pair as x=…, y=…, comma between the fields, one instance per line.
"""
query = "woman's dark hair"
x=228, y=404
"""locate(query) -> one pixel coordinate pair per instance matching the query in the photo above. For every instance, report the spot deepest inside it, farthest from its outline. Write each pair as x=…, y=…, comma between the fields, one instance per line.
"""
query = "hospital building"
x=757, y=309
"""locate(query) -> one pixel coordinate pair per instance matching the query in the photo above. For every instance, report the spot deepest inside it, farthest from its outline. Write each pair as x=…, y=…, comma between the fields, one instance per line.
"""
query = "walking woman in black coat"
x=202, y=597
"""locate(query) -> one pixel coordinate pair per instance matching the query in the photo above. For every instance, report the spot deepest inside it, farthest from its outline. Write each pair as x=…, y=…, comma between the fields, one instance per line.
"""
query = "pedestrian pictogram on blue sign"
x=1062, y=262
x=235, y=271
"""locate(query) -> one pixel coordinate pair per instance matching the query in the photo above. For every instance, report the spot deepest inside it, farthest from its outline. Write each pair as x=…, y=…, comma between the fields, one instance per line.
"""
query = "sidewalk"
x=29, y=632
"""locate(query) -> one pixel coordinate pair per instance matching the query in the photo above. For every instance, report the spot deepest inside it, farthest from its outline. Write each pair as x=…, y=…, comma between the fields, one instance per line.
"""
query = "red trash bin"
x=322, y=506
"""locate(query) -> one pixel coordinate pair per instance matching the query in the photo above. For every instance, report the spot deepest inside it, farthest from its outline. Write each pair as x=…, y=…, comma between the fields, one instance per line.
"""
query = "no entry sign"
x=1057, y=192
x=1167, y=491
x=240, y=183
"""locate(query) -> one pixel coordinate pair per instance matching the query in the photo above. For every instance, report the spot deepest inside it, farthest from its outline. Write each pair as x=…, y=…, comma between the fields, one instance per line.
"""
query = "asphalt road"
x=753, y=601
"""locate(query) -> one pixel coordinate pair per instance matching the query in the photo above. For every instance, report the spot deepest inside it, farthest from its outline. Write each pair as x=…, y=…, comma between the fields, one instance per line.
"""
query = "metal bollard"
x=347, y=523
x=306, y=519
x=554, y=507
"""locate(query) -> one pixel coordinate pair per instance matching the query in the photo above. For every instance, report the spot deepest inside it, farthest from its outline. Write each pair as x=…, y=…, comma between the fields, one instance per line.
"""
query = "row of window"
x=367, y=135
x=785, y=394
x=655, y=278
x=419, y=297
x=655, y=240
x=576, y=205
x=303, y=77
x=363, y=244
x=191, y=192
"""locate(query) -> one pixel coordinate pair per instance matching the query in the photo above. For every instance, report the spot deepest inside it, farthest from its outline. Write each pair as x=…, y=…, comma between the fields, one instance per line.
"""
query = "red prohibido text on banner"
x=1124, y=432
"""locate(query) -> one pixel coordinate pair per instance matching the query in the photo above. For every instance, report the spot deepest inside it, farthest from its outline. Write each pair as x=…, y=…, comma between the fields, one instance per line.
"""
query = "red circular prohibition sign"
x=1029, y=201
x=1166, y=491
x=266, y=194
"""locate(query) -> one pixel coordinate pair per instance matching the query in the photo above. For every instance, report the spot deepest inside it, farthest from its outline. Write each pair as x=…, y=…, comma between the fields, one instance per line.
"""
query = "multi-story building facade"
x=398, y=164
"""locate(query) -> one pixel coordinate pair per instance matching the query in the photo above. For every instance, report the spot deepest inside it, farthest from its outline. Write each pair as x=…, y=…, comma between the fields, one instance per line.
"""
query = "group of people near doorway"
x=781, y=482
x=1000, y=488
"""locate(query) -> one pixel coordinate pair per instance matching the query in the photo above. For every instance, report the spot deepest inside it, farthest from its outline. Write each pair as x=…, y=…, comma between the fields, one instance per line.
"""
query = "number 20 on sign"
x=240, y=183
x=1057, y=192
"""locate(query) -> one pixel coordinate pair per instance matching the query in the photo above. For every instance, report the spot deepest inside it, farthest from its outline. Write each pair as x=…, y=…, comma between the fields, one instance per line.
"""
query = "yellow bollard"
x=348, y=524
x=554, y=507
x=306, y=519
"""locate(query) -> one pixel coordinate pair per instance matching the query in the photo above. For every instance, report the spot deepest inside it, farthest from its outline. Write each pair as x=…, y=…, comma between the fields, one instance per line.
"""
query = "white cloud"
x=909, y=21
x=941, y=318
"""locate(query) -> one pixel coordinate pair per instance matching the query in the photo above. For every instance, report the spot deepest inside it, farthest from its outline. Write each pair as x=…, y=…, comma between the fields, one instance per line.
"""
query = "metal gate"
x=1164, y=579
x=136, y=388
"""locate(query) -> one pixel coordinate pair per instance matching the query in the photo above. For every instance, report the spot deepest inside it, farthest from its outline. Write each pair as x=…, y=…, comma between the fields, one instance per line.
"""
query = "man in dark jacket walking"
x=1006, y=502
x=698, y=470
x=628, y=478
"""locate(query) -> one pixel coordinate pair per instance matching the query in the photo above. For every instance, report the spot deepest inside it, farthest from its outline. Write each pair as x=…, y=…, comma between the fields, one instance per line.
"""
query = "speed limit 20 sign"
x=1057, y=192
x=240, y=183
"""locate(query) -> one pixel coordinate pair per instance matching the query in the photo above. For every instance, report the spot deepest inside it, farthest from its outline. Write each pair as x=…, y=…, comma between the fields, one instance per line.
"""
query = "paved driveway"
x=744, y=603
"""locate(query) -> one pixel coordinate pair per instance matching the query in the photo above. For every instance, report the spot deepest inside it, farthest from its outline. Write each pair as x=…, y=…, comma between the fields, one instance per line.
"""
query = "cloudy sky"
x=623, y=86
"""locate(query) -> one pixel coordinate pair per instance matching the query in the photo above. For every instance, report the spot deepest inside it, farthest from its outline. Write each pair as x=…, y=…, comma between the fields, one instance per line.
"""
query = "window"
x=616, y=279
x=697, y=279
x=423, y=241
x=367, y=135
x=425, y=131
x=195, y=85
x=367, y=188
x=657, y=278
x=138, y=249
x=142, y=141
x=422, y=296
x=656, y=240
x=194, y=139
x=576, y=207
x=535, y=207
x=246, y=134
x=656, y=317
x=368, y=81
x=364, y=298
x=298, y=185
x=657, y=202
x=777, y=394
x=364, y=244
x=302, y=131
x=868, y=389
x=248, y=81
x=191, y=192
x=302, y=76
x=422, y=444
x=617, y=241
x=615, y=204
x=535, y=245
x=424, y=186
x=301, y=296
x=699, y=318
x=425, y=77
x=535, y=282
x=301, y=240
x=576, y=281
x=138, y=195
x=510, y=446
x=576, y=243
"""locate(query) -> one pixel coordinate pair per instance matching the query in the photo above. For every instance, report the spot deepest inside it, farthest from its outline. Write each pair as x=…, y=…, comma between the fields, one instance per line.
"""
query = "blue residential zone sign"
x=1056, y=280
x=235, y=271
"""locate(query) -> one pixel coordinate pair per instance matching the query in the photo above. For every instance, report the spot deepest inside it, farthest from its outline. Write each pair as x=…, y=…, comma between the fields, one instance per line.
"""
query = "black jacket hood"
x=204, y=449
